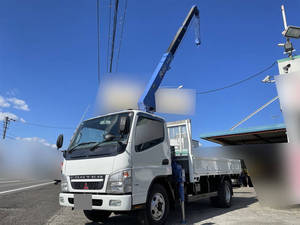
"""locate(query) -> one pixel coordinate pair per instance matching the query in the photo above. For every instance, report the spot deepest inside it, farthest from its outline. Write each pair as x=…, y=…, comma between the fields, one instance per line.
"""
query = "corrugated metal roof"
x=275, y=133
x=244, y=130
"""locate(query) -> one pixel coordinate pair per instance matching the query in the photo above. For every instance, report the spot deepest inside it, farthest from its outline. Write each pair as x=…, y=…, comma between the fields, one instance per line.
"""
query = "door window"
x=149, y=132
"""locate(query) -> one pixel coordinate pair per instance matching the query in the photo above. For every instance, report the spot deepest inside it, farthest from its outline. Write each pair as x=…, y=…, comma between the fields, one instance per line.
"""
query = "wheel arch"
x=164, y=181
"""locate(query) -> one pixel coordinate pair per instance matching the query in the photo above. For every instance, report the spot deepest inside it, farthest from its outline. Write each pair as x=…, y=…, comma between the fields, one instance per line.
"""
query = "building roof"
x=288, y=59
x=275, y=133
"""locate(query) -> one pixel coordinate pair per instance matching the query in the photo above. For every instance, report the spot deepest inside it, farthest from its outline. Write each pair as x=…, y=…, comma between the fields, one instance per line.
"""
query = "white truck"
x=134, y=161
x=122, y=162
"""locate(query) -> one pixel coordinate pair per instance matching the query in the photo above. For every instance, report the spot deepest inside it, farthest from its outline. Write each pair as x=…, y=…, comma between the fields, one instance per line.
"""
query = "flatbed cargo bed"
x=190, y=157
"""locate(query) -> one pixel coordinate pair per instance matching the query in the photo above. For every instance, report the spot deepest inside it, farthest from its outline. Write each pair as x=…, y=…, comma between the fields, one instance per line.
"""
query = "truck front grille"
x=87, y=182
x=87, y=185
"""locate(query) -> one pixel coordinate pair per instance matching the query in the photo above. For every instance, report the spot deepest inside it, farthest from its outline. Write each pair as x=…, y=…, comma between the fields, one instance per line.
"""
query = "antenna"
x=81, y=119
x=284, y=17
x=84, y=113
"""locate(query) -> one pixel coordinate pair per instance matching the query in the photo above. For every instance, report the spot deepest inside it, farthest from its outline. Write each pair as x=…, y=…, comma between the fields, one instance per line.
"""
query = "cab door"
x=150, y=155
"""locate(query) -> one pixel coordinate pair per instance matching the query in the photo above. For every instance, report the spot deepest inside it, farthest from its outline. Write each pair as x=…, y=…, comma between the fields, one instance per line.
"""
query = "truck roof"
x=125, y=111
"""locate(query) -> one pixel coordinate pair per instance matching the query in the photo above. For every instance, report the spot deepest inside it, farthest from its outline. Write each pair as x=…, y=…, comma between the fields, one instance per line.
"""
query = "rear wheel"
x=157, y=206
x=97, y=215
x=224, y=197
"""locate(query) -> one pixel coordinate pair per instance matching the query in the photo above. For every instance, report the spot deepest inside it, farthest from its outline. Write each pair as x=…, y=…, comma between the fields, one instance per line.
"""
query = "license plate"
x=83, y=201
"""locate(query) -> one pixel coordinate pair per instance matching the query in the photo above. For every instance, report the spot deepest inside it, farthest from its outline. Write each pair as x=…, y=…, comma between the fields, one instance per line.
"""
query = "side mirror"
x=60, y=141
x=124, y=124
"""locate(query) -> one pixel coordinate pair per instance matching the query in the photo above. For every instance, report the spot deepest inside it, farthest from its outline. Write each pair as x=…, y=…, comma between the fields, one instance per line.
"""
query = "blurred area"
x=175, y=101
x=118, y=92
x=274, y=170
x=288, y=87
x=21, y=159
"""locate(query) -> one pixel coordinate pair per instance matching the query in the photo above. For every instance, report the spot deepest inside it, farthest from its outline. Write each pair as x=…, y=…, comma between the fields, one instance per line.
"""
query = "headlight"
x=120, y=182
x=64, y=183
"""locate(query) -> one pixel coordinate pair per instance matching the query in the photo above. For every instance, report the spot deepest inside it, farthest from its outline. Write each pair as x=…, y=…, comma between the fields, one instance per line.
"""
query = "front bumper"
x=67, y=199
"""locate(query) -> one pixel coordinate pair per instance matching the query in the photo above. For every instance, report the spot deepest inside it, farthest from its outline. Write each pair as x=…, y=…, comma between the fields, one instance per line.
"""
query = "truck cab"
x=113, y=160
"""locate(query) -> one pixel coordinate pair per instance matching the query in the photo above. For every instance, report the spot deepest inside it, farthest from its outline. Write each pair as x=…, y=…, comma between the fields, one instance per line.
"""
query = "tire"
x=157, y=206
x=97, y=215
x=223, y=200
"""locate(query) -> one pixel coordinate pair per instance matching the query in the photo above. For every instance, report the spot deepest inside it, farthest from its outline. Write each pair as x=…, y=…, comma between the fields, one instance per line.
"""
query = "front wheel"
x=97, y=215
x=157, y=206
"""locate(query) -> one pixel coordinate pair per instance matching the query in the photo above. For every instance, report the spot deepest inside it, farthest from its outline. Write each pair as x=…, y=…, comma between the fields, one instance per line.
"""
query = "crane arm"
x=147, y=100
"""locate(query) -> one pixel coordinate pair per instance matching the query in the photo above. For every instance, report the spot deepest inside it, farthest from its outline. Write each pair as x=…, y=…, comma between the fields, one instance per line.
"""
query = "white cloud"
x=22, y=120
x=37, y=140
x=9, y=115
x=3, y=102
x=19, y=104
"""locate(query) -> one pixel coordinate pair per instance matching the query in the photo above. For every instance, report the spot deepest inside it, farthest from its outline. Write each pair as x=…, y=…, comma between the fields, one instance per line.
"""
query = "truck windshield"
x=89, y=139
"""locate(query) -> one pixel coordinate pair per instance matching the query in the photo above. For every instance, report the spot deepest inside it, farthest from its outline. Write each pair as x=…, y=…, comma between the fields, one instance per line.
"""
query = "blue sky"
x=48, y=58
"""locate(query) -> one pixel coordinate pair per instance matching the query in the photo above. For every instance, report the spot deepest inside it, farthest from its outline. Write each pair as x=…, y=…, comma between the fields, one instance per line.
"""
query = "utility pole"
x=5, y=125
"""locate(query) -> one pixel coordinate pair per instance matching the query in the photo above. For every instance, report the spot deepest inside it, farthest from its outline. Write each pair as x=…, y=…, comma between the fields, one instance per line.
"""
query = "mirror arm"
x=64, y=153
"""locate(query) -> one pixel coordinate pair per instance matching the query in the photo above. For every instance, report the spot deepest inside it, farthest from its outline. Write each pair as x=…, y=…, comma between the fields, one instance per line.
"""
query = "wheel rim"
x=158, y=206
x=227, y=193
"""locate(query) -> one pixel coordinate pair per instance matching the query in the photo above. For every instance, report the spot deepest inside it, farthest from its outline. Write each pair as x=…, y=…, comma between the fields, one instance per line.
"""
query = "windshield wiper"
x=84, y=143
x=96, y=146
x=105, y=142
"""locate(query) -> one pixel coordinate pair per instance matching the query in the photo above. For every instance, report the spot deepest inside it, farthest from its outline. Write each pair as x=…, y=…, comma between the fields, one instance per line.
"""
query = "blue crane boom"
x=147, y=100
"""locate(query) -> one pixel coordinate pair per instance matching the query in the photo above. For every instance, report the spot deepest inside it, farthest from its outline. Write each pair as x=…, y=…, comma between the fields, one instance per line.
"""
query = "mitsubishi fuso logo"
x=82, y=177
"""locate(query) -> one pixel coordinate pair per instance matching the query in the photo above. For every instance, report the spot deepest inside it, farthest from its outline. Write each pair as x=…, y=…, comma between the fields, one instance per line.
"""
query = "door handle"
x=165, y=162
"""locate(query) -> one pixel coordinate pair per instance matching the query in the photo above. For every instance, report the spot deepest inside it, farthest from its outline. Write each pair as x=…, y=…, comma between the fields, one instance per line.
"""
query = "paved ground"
x=245, y=210
x=39, y=206
x=9, y=185
x=34, y=206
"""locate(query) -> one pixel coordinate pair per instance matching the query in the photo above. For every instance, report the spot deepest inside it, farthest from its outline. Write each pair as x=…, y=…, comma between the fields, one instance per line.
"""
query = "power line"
x=46, y=126
x=108, y=36
x=98, y=39
x=9, y=137
x=12, y=136
x=121, y=35
x=239, y=82
x=114, y=35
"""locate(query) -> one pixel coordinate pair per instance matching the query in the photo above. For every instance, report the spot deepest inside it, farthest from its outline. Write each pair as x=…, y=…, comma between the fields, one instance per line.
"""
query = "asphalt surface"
x=245, y=210
x=24, y=202
x=7, y=185
x=39, y=206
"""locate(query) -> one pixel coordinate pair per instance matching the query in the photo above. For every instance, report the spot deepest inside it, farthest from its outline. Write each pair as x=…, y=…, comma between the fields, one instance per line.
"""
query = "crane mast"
x=147, y=100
